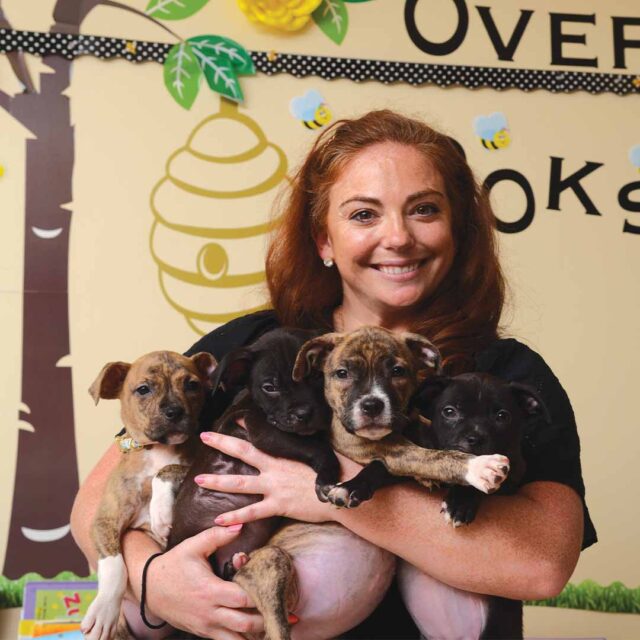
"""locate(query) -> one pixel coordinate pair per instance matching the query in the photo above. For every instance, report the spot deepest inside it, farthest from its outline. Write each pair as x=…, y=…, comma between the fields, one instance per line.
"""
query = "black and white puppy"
x=477, y=413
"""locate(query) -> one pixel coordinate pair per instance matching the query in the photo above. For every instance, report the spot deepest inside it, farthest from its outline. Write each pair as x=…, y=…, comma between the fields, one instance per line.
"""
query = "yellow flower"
x=288, y=15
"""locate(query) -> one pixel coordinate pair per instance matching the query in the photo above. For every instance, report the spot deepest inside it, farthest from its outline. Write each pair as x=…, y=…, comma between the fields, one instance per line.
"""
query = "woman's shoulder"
x=235, y=333
x=513, y=360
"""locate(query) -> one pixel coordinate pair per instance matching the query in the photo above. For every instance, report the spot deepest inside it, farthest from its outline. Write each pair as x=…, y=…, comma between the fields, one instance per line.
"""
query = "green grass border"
x=591, y=596
x=11, y=590
x=588, y=595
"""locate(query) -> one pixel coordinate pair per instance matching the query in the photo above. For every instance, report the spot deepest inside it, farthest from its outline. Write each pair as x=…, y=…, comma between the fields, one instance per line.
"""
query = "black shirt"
x=551, y=450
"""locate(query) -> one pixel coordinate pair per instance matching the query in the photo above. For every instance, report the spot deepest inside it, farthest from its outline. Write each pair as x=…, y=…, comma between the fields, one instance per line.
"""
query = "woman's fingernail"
x=199, y=479
x=292, y=619
x=220, y=520
x=234, y=527
x=205, y=436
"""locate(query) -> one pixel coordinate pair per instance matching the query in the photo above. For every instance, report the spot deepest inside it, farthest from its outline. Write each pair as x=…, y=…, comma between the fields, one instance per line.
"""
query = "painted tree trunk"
x=47, y=471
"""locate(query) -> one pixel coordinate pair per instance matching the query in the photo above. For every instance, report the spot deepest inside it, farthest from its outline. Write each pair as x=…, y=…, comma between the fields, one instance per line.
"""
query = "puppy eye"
x=143, y=390
x=450, y=412
x=503, y=416
x=191, y=385
x=268, y=387
x=341, y=373
x=398, y=371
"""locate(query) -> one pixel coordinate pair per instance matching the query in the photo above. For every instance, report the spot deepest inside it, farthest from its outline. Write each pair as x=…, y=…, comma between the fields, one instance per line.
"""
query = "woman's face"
x=388, y=229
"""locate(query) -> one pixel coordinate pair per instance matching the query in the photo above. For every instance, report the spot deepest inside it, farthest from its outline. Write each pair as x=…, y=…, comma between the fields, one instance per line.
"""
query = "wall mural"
x=210, y=207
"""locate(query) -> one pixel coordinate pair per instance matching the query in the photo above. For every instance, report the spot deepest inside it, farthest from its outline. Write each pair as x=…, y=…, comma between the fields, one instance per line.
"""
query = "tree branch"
x=69, y=14
x=17, y=59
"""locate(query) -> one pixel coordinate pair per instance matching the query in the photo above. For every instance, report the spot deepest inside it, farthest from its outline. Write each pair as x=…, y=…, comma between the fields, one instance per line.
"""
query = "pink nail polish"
x=220, y=520
x=234, y=527
x=199, y=479
x=205, y=436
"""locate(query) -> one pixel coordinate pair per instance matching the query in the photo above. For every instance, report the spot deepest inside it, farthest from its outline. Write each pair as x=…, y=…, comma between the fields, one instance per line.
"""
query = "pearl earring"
x=328, y=262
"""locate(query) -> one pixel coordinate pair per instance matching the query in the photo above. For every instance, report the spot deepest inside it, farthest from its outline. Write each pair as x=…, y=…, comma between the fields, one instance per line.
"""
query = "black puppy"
x=479, y=414
x=283, y=417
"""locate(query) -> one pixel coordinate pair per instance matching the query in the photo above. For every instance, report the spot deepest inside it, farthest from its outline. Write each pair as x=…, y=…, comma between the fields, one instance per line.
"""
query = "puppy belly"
x=440, y=611
x=341, y=578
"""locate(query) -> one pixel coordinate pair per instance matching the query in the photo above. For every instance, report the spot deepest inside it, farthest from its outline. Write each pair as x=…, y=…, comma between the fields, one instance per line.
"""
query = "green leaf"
x=331, y=16
x=174, y=9
x=182, y=74
x=219, y=74
x=221, y=47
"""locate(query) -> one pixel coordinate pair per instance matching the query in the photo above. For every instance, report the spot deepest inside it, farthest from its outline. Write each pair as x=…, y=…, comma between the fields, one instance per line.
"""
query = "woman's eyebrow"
x=411, y=198
x=361, y=199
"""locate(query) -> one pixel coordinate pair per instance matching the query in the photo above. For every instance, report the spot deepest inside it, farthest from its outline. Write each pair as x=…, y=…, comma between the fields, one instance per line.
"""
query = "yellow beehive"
x=210, y=210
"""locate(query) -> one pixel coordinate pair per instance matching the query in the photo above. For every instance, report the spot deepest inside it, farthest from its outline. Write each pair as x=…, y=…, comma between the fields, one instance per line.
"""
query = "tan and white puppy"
x=370, y=377
x=161, y=396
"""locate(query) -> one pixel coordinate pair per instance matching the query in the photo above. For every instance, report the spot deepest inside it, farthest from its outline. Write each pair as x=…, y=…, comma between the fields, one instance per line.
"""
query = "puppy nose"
x=372, y=406
x=173, y=411
x=301, y=414
x=474, y=439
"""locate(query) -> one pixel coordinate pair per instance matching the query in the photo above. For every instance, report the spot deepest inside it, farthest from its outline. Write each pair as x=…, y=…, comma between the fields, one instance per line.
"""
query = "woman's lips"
x=400, y=271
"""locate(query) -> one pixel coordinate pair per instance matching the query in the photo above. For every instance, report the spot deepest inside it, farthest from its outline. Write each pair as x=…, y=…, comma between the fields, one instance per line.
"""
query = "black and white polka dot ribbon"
x=71, y=46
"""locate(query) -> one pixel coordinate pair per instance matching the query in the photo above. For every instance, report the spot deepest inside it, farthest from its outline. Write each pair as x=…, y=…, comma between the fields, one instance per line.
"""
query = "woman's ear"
x=323, y=244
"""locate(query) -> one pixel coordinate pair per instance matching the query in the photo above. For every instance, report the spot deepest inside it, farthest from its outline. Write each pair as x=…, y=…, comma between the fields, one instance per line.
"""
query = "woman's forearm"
x=86, y=504
x=523, y=546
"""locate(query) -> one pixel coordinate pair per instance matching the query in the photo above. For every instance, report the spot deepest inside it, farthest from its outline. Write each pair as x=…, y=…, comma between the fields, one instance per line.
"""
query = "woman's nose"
x=397, y=233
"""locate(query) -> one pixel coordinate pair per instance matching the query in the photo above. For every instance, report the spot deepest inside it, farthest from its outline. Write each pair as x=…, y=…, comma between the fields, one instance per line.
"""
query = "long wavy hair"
x=462, y=315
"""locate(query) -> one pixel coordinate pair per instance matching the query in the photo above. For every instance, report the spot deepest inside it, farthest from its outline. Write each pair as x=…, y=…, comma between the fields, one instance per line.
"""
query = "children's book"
x=54, y=609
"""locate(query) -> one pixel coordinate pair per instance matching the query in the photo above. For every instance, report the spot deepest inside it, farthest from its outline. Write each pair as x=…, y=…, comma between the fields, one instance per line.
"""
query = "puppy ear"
x=233, y=369
x=109, y=382
x=431, y=388
x=313, y=354
x=426, y=352
x=529, y=400
x=205, y=363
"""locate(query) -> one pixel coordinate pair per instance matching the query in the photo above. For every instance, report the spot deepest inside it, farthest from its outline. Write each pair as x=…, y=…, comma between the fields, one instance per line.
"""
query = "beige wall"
x=574, y=277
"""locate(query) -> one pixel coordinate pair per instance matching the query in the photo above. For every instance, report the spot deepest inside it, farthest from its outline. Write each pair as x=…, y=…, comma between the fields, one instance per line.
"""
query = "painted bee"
x=311, y=109
x=493, y=131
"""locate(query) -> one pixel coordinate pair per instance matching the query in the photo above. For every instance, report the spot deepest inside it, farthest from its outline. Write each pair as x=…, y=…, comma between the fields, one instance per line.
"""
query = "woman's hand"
x=288, y=486
x=182, y=589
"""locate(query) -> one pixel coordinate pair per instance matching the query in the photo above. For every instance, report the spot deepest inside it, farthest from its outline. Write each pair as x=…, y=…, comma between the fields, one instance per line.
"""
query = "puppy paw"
x=348, y=495
x=458, y=514
x=101, y=619
x=322, y=491
x=487, y=473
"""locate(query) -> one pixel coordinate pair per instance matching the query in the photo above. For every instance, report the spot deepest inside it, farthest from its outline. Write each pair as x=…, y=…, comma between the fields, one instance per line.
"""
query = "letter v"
x=504, y=51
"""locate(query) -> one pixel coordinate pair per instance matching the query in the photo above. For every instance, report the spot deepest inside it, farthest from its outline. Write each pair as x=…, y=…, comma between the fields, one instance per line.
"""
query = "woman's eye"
x=143, y=390
x=364, y=215
x=449, y=412
x=191, y=385
x=341, y=373
x=268, y=387
x=398, y=371
x=426, y=209
x=503, y=416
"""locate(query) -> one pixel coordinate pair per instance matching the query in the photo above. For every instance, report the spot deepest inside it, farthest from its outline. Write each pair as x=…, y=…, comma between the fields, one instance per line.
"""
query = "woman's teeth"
x=398, y=269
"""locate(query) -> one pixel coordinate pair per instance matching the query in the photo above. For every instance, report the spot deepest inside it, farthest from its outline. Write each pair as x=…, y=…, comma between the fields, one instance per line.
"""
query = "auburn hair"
x=462, y=315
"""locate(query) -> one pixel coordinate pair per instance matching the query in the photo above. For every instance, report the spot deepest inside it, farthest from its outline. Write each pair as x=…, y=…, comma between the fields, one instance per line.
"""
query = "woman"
x=385, y=225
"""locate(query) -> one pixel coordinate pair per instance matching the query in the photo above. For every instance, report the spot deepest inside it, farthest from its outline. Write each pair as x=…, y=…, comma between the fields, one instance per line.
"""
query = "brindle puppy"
x=370, y=377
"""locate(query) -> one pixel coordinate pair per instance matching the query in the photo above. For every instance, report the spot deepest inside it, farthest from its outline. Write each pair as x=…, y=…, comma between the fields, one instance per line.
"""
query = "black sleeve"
x=236, y=333
x=551, y=450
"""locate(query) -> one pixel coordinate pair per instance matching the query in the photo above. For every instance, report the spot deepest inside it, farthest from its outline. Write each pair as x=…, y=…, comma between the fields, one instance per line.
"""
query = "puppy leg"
x=269, y=579
x=101, y=619
x=164, y=488
x=351, y=493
